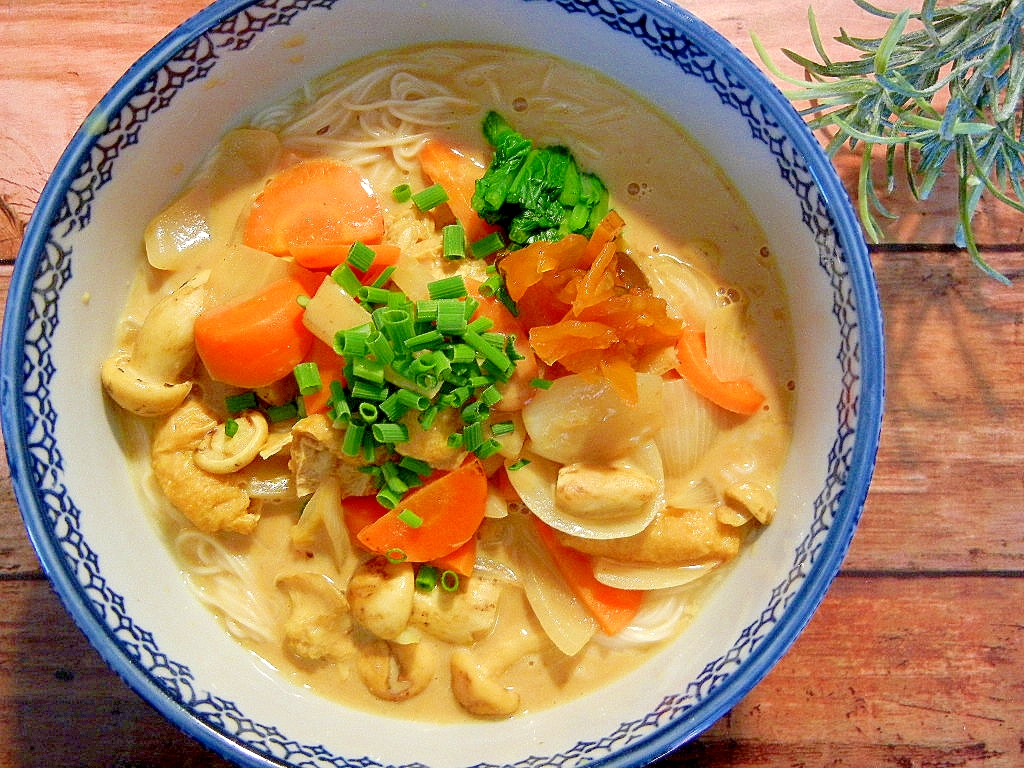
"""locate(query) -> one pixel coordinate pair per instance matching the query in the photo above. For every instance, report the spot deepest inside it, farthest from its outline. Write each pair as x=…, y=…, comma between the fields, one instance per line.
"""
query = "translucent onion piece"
x=694, y=493
x=583, y=419
x=729, y=350
x=535, y=484
x=560, y=613
x=689, y=292
x=324, y=509
x=195, y=226
x=691, y=425
x=331, y=310
x=241, y=271
x=646, y=577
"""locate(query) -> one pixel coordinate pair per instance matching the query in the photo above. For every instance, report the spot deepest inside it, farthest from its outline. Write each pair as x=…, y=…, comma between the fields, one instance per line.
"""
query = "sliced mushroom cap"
x=151, y=379
x=396, y=672
x=223, y=455
x=476, y=692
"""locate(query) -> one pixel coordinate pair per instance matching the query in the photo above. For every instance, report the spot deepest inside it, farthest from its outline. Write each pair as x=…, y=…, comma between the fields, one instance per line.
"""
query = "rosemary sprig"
x=948, y=91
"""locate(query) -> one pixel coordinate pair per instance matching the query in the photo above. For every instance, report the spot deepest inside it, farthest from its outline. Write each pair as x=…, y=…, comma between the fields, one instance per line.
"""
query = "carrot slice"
x=361, y=511
x=738, y=396
x=313, y=205
x=457, y=171
x=462, y=560
x=613, y=608
x=331, y=366
x=255, y=341
x=326, y=257
x=450, y=508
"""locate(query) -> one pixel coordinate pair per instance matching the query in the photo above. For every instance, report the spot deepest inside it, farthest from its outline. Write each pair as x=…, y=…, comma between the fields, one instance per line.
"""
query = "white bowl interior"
x=149, y=626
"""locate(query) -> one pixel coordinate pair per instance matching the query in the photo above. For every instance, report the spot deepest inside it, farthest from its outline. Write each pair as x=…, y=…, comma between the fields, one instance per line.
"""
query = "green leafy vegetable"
x=947, y=91
x=536, y=193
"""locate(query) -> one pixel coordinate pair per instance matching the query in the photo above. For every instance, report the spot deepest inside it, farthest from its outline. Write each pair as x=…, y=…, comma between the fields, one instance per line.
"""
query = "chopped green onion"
x=352, y=442
x=488, y=448
x=302, y=300
x=453, y=241
x=455, y=440
x=473, y=436
x=360, y=256
x=418, y=466
x=496, y=357
x=490, y=396
x=388, y=498
x=396, y=555
x=410, y=518
x=384, y=276
x=389, y=433
x=283, y=412
x=425, y=340
x=515, y=466
x=402, y=193
x=451, y=317
x=503, y=428
x=541, y=383
x=426, y=578
x=486, y=246
x=368, y=412
x=243, y=401
x=449, y=581
x=481, y=325
x=346, y=278
x=368, y=369
x=453, y=287
x=307, y=377
x=230, y=428
x=429, y=198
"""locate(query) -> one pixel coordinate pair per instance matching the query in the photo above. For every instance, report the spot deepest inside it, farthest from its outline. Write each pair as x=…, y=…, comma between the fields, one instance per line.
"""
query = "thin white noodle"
x=660, y=618
x=223, y=581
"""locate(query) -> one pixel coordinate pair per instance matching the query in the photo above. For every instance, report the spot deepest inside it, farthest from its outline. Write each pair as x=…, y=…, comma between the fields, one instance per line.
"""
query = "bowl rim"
x=769, y=650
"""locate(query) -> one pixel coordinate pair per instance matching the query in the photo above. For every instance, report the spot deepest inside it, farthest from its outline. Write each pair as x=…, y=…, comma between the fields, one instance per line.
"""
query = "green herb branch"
x=948, y=91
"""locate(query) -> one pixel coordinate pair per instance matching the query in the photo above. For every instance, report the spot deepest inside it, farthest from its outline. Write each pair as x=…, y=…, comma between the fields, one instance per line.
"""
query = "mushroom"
x=211, y=502
x=474, y=681
x=222, y=455
x=380, y=594
x=396, y=672
x=461, y=617
x=149, y=380
x=753, y=499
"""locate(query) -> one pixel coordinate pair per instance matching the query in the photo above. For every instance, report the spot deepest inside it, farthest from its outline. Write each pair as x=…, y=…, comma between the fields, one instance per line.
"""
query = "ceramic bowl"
x=129, y=159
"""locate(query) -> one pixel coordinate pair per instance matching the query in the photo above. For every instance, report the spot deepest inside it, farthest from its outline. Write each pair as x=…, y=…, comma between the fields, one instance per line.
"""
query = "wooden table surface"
x=916, y=657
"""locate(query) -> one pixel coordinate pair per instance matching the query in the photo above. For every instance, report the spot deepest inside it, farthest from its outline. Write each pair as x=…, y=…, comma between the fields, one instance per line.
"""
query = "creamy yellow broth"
x=678, y=207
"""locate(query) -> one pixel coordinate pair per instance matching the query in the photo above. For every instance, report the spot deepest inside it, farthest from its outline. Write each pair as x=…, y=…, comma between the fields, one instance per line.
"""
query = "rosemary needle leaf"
x=945, y=84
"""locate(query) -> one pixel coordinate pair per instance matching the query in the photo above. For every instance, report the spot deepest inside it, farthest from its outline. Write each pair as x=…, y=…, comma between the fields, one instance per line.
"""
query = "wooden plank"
x=891, y=671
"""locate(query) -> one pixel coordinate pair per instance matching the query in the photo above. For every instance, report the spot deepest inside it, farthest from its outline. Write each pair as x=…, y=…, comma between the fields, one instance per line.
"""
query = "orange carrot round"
x=433, y=520
x=315, y=204
x=255, y=341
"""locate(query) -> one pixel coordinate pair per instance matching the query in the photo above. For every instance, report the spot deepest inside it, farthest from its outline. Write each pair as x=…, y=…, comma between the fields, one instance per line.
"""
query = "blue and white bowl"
x=82, y=246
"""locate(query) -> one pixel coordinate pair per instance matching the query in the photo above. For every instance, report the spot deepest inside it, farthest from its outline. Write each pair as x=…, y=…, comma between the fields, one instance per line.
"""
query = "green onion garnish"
x=283, y=412
x=426, y=578
x=449, y=581
x=396, y=555
x=453, y=287
x=307, y=377
x=431, y=197
x=541, y=383
x=346, y=278
x=410, y=518
x=503, y=428
x=515, y=466
x=402, y=193
x=360, y=256
x=453, y=241
x=389, y=433
x=243, y=401
x=486, y=246
x=230, y=428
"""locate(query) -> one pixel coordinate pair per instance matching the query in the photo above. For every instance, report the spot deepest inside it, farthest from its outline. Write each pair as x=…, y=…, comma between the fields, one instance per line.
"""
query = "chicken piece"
x=211, y=502
x=462, y=617
x=316, y=454
x=675, y=537
x=319, y=625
